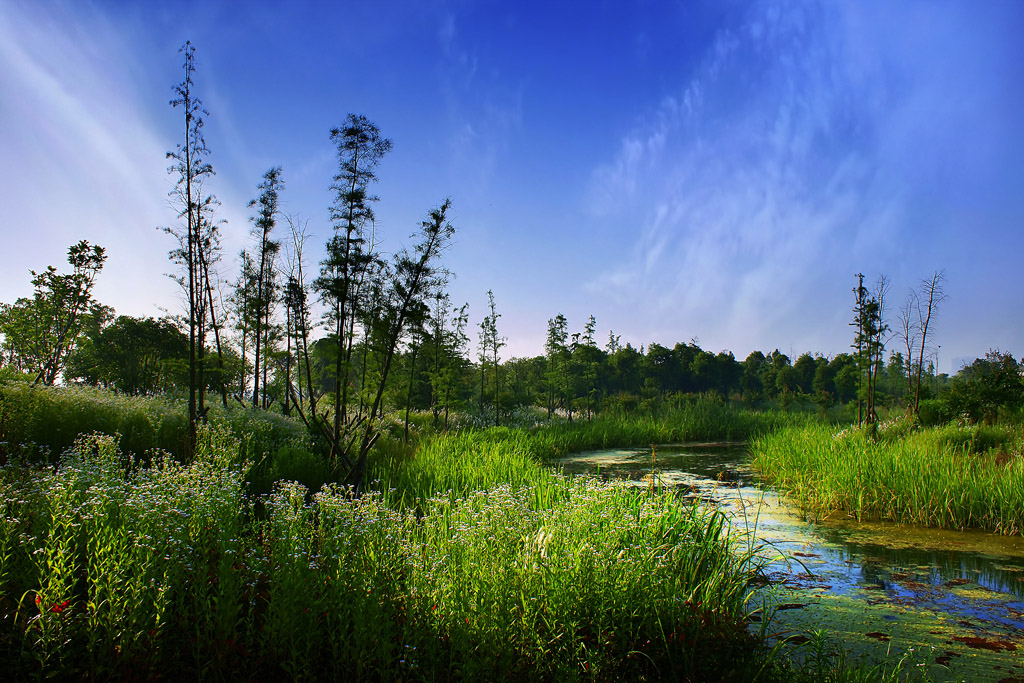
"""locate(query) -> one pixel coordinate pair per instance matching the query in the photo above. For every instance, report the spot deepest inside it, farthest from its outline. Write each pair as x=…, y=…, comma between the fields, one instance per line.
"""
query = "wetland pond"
x=950, y=601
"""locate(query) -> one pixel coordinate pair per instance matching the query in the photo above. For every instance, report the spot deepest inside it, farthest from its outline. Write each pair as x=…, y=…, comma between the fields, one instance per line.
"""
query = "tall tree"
x=908, y=331
x=555, y=350
x=360, y=148
x=448, y=331
x=209, y=256
x=240, y=300
x=860, y=294
x=416, y=278
x=869, y=311
x=296, y=315
x=191, y=168
x=263, y=224
x=587, y=359
x=932, y=294
x=490, y=345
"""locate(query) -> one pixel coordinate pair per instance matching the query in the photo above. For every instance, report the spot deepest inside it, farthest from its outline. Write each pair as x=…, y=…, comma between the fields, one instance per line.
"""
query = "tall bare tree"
x=931, y=295
x=296, y=300
x=909, y=331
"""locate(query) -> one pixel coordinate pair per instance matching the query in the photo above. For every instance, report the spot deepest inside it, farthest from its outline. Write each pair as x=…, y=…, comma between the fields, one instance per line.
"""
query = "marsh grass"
x=820, y=658
x=698, y=419
x=953, y=476
x=122, y=572
x=457, y=463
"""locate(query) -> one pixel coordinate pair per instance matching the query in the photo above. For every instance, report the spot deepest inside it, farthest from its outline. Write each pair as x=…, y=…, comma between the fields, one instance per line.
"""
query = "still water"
x=949, y=601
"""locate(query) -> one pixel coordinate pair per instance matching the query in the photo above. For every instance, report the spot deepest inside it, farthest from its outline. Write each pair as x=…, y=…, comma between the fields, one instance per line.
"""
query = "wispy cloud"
x=485, y=111
x=77, y=147
x=794, y=156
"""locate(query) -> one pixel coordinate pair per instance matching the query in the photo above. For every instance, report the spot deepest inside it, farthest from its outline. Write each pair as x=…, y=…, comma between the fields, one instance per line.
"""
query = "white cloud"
x=793, y=157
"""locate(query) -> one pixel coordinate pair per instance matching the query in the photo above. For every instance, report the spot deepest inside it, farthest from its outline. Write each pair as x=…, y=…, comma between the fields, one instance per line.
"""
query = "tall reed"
x=951, y=476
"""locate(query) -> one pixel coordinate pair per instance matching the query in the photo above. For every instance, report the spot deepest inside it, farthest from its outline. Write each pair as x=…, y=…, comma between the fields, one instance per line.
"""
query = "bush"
x=42, y=422
x=934, y=411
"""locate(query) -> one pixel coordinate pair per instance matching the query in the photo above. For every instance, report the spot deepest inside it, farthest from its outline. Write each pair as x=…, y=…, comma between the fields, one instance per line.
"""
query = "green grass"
x=38, y=424
x=460, y=462
x=115, y=572
x=950, y=476
x=470, y=561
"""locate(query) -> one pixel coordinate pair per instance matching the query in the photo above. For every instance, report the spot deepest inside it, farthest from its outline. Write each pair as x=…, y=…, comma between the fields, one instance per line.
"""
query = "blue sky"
x=715, y=170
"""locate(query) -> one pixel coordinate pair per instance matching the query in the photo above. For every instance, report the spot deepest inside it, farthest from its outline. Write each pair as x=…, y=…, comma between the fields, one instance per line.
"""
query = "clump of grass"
x=953, y=476
x=459, y=463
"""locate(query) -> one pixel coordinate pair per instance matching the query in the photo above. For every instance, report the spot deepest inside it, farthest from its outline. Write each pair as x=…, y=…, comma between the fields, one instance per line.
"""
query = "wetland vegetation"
x=310, y=477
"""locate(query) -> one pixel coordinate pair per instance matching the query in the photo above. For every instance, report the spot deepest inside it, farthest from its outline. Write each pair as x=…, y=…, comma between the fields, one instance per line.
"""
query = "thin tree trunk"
x=408, y=395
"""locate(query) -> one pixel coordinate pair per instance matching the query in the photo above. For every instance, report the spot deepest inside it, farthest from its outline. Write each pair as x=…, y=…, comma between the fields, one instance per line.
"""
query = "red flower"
x=59, y=607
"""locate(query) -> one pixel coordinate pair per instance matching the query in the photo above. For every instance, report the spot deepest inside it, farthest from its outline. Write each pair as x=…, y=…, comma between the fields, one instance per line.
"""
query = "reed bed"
x=700, y=419
x=953, y=476
x=115, y=571
x=456, y=463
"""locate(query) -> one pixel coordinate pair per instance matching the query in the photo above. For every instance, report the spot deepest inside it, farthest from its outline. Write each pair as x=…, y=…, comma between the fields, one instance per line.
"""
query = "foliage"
x=136, y=356
x=40, y=334
x=981, y=389
x=40, y=423
x=259, y=306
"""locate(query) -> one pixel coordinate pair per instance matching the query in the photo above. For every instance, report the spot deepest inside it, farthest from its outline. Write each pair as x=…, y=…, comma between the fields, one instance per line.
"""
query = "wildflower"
x=59, y=607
